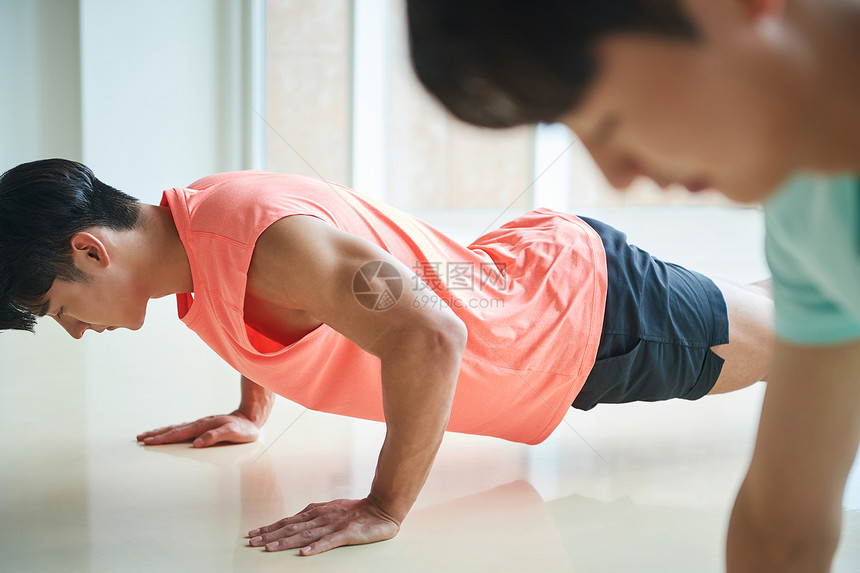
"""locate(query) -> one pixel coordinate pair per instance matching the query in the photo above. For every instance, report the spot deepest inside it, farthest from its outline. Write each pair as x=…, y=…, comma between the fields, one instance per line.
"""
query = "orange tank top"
x=531, y=293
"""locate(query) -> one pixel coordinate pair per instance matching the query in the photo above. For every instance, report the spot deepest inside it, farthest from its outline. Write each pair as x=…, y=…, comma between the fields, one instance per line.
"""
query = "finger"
x=207, y=439
x=216, y=436
x=286, y=532
x=181, y=433
x=173, y=427
x=163, y=430
x=327, y=542
x=231, y=432
x=307, y=514
x=141, y=437
x=301, y=539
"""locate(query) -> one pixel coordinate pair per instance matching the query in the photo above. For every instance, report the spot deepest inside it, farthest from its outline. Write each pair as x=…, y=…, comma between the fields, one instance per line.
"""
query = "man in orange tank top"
x=374, y=314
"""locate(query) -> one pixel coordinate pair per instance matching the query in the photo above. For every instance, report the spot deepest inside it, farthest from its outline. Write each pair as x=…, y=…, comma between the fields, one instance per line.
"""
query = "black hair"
x=500, y=63
x=42, y=205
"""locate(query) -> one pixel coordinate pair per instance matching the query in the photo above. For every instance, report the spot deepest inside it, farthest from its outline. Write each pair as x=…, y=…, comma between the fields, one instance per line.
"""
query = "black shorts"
x=659, y=325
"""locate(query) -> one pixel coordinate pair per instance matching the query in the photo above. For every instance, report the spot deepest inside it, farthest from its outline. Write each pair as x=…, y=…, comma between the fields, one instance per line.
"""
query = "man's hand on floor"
x=232, y=428
x=323, y=526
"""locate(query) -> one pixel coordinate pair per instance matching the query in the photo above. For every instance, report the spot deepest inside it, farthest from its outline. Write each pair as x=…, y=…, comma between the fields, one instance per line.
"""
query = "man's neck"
x=160, y=260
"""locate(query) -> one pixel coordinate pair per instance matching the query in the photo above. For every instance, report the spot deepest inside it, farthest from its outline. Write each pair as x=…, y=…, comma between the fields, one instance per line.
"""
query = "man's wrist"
x=256, y=402
x=253, y=415
x=389, y=509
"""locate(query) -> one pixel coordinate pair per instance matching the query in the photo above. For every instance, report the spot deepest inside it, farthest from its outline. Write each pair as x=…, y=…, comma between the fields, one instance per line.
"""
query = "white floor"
x=641, y=487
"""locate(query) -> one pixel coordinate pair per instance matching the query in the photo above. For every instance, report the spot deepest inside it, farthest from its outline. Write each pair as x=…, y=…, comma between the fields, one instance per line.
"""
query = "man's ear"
x=87, y=249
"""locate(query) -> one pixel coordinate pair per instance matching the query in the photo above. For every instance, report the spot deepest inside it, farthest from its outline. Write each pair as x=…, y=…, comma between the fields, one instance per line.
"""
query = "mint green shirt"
x=813, y=250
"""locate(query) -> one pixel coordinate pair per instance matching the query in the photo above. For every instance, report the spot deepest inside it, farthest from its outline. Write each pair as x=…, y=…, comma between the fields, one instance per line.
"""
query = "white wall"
x=149, y=94
x=40, y=86
x=156, y=106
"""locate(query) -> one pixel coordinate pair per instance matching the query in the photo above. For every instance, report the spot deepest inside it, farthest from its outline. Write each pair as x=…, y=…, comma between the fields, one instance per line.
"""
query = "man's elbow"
x=440, y=341
x=455, y=333
x=444, y=339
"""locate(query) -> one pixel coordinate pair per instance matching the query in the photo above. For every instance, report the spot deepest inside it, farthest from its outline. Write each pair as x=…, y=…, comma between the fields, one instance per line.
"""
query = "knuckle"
x=309, y=514
x=308, y=534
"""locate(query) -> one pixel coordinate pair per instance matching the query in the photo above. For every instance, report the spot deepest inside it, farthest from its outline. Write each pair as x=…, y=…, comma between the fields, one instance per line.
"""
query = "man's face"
x=96, y=304
x=718, y=113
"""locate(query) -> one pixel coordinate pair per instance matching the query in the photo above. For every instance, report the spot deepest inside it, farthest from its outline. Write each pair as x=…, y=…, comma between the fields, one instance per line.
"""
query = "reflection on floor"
x=642, y=487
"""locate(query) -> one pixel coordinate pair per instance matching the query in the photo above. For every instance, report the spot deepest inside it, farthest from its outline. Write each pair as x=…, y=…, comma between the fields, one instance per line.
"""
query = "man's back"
x=531, y=294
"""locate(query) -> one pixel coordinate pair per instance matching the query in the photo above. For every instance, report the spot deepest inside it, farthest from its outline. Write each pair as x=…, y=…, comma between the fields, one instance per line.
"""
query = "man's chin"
x=749, y=196
x=755, y=189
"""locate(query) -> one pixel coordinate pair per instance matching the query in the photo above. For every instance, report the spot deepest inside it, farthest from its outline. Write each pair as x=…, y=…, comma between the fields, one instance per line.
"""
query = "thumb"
x=209, y=438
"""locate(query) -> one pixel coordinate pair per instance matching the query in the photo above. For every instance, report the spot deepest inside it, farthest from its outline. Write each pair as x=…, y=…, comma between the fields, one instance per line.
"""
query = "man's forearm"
x=256, y=404
x=419, y=377
x=787, y=515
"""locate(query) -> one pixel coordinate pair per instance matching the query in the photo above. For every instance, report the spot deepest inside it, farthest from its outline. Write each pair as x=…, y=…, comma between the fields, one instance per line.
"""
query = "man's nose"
x=619, y=168
x=74, y=327
x=78, y=329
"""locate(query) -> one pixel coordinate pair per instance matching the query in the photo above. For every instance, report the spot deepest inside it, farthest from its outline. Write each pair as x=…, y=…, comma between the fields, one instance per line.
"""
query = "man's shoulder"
x=239, y=205
x=261, y=180
x=228, y=178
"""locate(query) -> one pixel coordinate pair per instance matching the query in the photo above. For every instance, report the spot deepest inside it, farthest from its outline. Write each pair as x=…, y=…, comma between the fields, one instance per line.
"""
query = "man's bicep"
x=343, y=280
